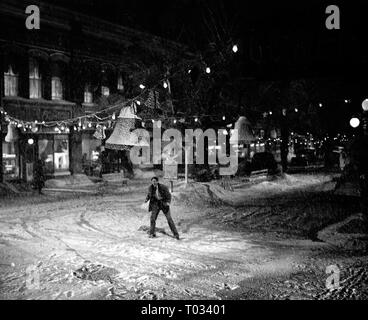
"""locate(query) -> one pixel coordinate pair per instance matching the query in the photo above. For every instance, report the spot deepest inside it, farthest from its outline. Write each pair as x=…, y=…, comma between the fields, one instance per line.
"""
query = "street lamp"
x=354, y=122
x=365, y=105
x=365, y=116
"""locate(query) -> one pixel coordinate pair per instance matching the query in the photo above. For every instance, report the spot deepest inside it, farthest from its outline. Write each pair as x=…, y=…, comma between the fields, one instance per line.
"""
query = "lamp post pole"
x=363, y=165
x=1, y=129
x=1, y=145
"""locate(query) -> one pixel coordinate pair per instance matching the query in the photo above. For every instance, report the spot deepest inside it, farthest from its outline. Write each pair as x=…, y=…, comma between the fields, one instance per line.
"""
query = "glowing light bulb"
x=354, y=122
x=235, y=48
x=141, y=86
x=165, y=84
x=208, y=70
x=365, y=105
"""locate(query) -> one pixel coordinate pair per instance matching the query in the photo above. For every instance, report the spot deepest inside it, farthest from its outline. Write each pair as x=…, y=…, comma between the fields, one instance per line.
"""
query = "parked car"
x=304, y=158
x=260, y=161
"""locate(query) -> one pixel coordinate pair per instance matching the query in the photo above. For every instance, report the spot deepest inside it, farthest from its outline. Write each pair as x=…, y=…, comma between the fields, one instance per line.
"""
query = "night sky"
x=338, y=57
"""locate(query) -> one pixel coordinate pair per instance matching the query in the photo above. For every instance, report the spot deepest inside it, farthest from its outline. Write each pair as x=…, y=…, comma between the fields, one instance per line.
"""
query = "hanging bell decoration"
x=99, y=133
x=12, y=133
x=245, y=134
x=121, y=138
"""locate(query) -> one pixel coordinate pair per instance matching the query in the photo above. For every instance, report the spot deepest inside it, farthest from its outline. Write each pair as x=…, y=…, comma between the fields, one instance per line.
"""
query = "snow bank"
x=215, y=194
x=350, y=234
x=147, y=174
x=75, y=180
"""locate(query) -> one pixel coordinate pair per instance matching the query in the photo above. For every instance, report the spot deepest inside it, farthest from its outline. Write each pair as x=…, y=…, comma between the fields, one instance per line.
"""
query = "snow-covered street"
x=52, y=241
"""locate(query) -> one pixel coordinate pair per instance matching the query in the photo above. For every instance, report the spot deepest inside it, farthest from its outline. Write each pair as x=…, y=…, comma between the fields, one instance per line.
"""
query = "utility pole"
x=1, y=123
x=1, y=144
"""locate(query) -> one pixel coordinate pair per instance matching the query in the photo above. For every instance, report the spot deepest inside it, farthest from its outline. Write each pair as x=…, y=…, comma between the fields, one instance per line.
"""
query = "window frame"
x=60, y=94
x=11, y=82
x=88, y=94
x=35, y=78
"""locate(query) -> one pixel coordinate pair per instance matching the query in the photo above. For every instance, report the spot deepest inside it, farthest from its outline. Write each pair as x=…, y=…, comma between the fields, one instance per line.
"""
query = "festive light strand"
x=180, y=66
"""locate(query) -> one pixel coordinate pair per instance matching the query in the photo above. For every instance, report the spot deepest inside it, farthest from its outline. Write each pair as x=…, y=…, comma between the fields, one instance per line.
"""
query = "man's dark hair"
x=154, y=178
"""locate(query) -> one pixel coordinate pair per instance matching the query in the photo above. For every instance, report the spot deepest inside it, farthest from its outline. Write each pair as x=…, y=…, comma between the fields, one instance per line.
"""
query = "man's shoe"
x=152, y=236
x=177, y=237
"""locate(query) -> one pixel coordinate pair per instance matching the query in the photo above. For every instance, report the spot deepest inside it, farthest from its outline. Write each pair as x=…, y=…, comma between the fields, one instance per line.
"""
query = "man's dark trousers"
x=156, y=207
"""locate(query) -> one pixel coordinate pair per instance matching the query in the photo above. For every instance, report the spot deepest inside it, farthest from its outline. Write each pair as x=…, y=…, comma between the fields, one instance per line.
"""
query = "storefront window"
x=45, y=152
x=61, y=153
x=54, y=151
x=10, y=161
x=91, y=149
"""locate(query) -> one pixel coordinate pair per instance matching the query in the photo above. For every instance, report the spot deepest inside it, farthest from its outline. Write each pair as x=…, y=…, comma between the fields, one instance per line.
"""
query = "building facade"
x=72, y=66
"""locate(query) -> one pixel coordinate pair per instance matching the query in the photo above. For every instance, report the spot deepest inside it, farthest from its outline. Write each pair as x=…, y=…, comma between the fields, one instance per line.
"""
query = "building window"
x=35, y=80
x=88, y=97
x=120, y=82
x=10, y=83
x=56, y=88
x=105, y=91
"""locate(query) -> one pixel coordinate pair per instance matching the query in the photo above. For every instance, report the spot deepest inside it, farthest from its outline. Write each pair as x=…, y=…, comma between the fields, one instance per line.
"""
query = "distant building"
x=59, y=72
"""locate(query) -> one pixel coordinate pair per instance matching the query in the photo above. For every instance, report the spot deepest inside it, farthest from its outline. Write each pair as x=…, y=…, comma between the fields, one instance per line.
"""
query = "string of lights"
x=76, y=122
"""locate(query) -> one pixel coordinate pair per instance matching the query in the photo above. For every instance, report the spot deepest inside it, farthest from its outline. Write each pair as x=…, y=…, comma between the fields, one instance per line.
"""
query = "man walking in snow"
x=160, y=198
